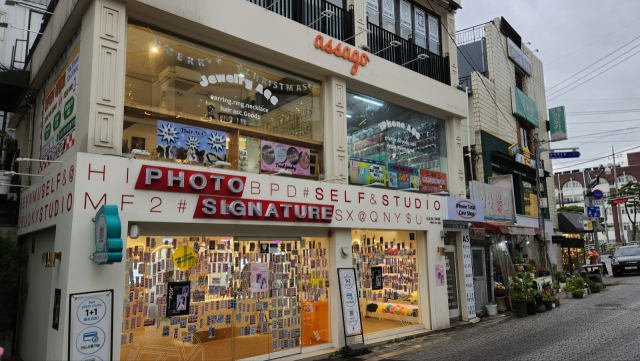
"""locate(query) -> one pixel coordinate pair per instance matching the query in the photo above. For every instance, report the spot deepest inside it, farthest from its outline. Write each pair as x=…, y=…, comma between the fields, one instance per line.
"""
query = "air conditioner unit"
x=179, y=79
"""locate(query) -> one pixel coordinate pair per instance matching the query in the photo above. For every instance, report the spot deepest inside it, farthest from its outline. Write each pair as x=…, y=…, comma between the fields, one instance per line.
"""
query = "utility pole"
x=615, y=182
x=588, y=199
x=539, y=170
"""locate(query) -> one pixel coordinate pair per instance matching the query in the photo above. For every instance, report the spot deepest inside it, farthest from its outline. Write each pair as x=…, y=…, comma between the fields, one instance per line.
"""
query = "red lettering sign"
x=188, y=181
x=261, y=210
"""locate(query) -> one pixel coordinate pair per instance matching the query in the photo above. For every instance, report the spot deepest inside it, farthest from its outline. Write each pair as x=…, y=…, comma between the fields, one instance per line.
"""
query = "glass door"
x=452, y=281
x=479, y=277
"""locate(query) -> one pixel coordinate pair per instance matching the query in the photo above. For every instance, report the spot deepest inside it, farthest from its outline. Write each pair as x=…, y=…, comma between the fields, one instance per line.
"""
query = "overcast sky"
x=571, y=35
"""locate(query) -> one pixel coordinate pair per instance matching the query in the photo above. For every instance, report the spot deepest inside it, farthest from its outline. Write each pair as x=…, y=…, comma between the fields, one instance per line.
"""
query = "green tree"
x=571, y=209
x=630, y=190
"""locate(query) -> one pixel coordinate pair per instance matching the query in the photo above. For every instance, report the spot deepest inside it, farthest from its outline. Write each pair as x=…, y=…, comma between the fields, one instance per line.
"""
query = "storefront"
x=230, y=265
x=465, y=270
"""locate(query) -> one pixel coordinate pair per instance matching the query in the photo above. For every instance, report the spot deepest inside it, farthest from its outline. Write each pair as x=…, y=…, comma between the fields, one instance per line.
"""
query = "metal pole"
x=615, y=183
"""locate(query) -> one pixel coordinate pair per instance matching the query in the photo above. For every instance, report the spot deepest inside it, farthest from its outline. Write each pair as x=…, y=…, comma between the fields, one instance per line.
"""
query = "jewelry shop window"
x=395, y=146
x=190, y=103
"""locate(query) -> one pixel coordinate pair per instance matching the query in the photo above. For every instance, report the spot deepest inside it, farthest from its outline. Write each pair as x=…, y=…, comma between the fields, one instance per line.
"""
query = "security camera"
x=365, y=48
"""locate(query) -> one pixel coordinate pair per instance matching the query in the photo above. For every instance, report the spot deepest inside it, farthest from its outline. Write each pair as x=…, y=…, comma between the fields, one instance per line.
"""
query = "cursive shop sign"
x=353, y=55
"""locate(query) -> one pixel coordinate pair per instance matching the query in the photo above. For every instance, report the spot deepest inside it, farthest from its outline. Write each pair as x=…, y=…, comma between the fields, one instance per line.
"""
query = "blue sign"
x=108, y=231
x=593, y=212
x=563, y=155
x=184, y=142
x=597, y=194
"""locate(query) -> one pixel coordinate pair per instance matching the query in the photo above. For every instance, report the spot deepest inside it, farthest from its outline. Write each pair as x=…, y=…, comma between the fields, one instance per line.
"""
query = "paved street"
x=603, y=326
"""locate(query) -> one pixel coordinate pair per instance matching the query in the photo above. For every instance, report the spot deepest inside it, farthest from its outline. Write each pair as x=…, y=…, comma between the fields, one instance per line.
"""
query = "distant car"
x=625, y=259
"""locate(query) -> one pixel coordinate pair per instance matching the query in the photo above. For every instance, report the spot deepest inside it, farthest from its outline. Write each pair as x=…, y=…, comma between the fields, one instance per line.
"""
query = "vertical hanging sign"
x=405, y=14
x=557, y=124
x=468, y=276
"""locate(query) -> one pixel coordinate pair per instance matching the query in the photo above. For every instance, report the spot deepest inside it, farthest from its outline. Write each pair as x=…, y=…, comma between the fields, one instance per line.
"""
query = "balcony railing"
x=471, y=35
x=381, y=43
x=314, y=13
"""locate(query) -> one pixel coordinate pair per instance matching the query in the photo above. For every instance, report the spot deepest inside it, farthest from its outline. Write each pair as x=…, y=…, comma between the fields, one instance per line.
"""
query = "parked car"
x=625, y=259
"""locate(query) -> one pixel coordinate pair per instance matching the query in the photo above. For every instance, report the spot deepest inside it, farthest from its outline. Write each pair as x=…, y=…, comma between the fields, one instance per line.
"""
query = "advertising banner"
x=432, y=181
x=524, y=106
x=499, y=204
x=403, y=177
x=57, y=127
x=364, y=171
x=259, y=277
x=350, y=301
x=557, y=124
x=468, y=276
x=275, y=156
x=90, y=326
x=195, y=144
x=178, y=298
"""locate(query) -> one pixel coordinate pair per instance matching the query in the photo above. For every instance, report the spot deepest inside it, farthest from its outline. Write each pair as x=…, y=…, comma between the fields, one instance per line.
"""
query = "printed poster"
x=432, y=181
x=259, y=277
x=440, y=275
x=178, y=298
x=405, y=14
x=388, y=9
x=276, y=156
x=195, y=144
x=434, y=29
x=364, y=171
x=421, y=23
x=57, y=128
x=403, y=177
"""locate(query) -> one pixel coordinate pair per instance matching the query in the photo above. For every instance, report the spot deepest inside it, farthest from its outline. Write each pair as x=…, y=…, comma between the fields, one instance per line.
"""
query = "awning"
x=573, y=223
x=568, y=242
x=507, y=229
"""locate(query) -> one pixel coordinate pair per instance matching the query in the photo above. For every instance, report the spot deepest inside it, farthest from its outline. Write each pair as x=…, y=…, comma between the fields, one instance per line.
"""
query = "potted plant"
x=568, y=290
x=531, y=305
x=548, y=300
x=500, y=291
x=593, y=286
x=592, y=256
x=518, y=263
x=539, y=301
x=519, y=304
x=543, y=271
x=546, y=286
x=556, y=287
x=578, y=293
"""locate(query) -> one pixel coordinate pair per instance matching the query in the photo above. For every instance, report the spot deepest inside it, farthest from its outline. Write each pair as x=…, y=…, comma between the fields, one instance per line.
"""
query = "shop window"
x=392, y=145
x=188, y=103
x=225, y=298
x=387, y=274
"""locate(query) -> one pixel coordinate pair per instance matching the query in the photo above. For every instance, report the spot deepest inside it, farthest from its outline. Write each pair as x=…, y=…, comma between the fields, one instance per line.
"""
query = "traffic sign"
x=564, y=155
x=593, y=212
x=597, y=194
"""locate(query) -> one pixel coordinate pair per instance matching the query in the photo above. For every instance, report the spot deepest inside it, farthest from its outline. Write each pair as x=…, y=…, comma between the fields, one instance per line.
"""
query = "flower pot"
x=577, y=295
x=540, y=308
x=531, y=308
x=569, y=294
x=586, y=292
x=521, y=309
x=492, y=309
x=539, y=302
x=519, y=268
x=502, y=304
x=595, y=290
x=562, y=284
x=548, y=305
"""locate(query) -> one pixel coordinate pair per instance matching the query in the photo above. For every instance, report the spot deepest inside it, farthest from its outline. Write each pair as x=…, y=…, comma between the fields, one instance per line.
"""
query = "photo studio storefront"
x=230, y=265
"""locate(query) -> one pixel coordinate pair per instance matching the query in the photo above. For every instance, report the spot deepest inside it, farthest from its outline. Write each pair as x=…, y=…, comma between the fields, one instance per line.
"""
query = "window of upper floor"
x=519, y=80
x=571, y=184
x=625, y=178
x=393, y=145
x=525, y=135
x=188, y=102
x=408, y=20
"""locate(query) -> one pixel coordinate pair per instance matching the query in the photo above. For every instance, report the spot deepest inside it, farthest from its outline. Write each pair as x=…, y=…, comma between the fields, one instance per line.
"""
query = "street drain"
x=608, y=305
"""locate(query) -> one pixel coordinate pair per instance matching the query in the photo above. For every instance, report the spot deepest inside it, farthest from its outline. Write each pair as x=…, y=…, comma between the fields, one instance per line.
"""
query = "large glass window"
x=391, y=145
x=189, y=103
x=387, y=274
x=224, y=298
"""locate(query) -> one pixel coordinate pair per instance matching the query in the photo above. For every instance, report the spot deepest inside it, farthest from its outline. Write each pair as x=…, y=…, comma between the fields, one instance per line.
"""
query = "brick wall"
x=498, y=119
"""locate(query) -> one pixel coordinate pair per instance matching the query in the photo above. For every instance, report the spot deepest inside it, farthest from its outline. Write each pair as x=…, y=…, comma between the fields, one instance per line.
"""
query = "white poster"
x=434, y=29
x=499, y=204
x=388, y=10
x=259, y=277
x=462, y=209
x=350, y=302
x=468, y=276
x=90, y=332
x=405, y=14
x=421, y=23
x=373, y=5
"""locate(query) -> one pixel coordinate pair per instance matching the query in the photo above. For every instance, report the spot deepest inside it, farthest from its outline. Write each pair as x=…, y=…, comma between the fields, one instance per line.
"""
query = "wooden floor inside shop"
x=373, y=325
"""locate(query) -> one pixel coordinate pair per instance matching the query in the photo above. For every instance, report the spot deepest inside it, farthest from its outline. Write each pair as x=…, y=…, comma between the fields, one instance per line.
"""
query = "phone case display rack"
x=399, y=147
x=220, y=291
x=296, y=123
x=398, y=299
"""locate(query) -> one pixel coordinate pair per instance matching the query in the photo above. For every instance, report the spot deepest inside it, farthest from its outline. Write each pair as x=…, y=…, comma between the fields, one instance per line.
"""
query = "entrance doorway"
x=452, y=281
x=479, y=277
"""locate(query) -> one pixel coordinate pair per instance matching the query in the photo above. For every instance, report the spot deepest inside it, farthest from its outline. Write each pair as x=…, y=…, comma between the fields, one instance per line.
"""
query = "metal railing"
x=465, y=81
x=405, y=53
x=321, y=15
x=470, y=35
x=45, y=21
